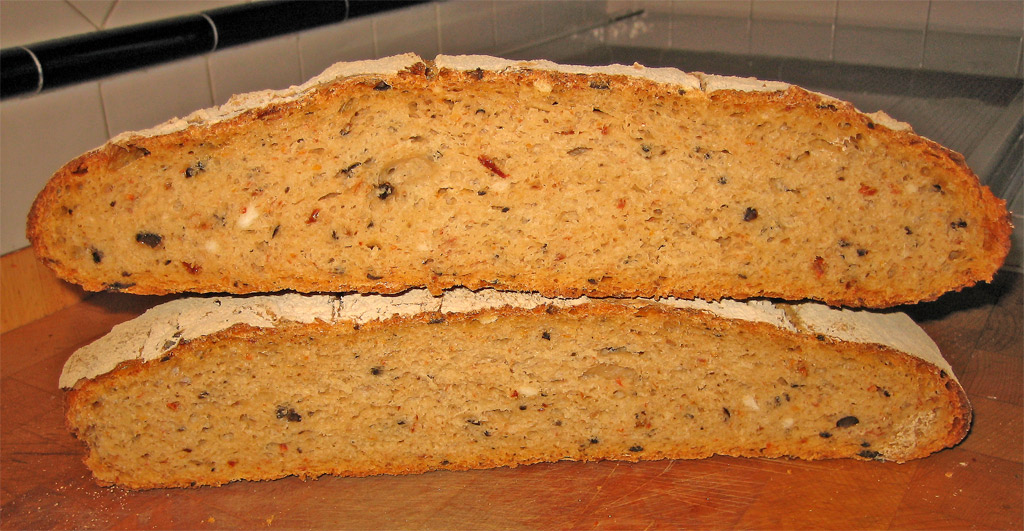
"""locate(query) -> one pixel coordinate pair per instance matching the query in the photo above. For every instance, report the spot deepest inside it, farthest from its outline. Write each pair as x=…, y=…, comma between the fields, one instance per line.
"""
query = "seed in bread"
x=567, y=181
x=205, y=391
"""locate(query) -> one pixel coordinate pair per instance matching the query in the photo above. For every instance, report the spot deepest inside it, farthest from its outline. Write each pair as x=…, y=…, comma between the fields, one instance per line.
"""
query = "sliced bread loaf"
x=208, y=390
x=479, y=172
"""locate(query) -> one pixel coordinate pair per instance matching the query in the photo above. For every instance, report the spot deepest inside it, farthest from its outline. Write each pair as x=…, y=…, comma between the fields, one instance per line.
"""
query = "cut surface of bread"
x=409, y=384
x=479, y=172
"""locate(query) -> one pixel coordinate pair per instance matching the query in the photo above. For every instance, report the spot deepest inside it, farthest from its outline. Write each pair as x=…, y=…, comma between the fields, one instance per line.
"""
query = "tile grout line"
x=209, y=77
x=376, y=44
x=437, y=27
x=832, y=35
x=750, y=26
x=110, y=11
x=209, y=55
x=671, y=23
x=301, y=58
x=103, y=110
x=494, y=24
x=1020, y=56
x=924, y=36
x=79, y=12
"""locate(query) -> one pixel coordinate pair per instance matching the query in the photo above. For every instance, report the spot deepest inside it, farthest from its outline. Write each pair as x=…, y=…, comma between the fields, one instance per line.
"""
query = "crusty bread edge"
x=997, y=227
x=163, y=327
x=955, y=431
x=158, y=330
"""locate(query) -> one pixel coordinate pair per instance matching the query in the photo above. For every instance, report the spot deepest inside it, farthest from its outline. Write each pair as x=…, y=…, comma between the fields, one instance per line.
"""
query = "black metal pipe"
x=60, y=62
x=20, y=71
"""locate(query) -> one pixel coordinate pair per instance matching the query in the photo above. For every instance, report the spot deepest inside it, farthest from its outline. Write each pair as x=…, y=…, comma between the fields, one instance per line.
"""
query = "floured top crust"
x=394, y=64
x=240, y=103
x=669, y=76
x=163, y=327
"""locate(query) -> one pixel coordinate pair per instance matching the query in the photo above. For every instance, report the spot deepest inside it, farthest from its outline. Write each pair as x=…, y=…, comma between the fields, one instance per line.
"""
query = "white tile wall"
x=900, y=48
x=1020, y=59
x=890, y=33
x=990, y=17
x=974, y=37
x=24, y=22
x=793, y=28
x=517, y=21
x=232, y=70
x=142, y=99
x=817, y=11
x=715, y=8
x=980, y=36
x=696, y=25
x=971, y=53
x=712, y=26
x=127, y=12
x=466, y=27
x=561, y=16
x=901, y=14
x=412, y=29
x=652, y=29
x=95, y=11
x=39, y=135
x=566, y=50
x=346, y=41
x=712, y=34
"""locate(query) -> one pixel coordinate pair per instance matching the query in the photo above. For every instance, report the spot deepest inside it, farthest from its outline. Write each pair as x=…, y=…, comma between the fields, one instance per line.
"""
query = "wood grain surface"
x=29, y=290
x=976, y=485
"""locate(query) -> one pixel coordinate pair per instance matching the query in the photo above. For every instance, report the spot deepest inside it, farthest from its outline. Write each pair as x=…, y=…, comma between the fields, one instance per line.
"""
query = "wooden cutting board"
x=978, y=484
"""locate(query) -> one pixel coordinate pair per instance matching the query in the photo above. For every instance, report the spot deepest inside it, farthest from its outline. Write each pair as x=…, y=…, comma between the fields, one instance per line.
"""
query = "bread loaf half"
x=385, y=175
x=204, y=391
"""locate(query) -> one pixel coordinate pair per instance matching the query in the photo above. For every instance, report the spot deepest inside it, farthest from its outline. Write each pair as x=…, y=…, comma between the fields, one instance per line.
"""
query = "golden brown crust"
x=476, y=456
x=990, y=222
